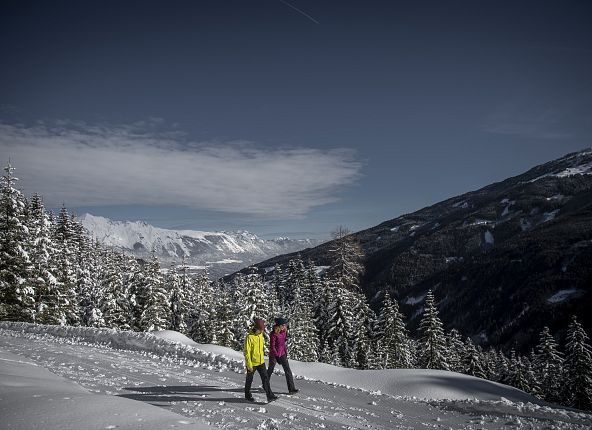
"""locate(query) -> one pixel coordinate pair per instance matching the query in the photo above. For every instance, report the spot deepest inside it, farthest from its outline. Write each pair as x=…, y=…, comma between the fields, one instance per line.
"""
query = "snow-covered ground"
x=102, y=378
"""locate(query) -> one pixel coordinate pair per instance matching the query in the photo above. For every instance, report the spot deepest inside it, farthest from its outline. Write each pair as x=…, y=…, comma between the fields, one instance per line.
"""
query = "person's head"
x=281, y=324
x=259, y=324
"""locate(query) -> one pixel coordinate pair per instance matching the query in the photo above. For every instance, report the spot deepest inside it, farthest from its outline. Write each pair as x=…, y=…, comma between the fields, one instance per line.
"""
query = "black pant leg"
x=288, y=373
x=248, y=383
x=272, y=362
x=265, y=380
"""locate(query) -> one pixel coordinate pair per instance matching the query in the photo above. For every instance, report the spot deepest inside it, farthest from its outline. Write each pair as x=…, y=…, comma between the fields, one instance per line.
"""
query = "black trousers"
x=283, y=360
x=264, y=379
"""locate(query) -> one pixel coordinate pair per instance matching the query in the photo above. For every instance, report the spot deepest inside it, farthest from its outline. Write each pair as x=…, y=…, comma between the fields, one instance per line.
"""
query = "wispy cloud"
x=537, y=124
x=89, y=165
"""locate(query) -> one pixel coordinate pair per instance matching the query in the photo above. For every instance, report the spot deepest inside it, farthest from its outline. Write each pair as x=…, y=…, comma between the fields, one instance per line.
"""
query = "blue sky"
x=251, y=115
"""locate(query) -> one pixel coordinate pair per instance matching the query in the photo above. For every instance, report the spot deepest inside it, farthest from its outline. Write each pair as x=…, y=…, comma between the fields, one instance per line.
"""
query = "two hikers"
x=255, y=360
x=278, y=352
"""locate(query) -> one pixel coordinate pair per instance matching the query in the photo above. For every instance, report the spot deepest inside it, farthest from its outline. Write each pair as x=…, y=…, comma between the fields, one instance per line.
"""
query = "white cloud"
x=91, y=165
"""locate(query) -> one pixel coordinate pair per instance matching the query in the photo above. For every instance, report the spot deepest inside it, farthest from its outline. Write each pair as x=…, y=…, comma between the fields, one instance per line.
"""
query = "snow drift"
x=413, y=383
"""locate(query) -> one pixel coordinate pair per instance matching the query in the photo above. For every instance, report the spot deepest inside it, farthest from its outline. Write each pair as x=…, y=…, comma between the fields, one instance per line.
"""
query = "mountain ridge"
x=465, y=249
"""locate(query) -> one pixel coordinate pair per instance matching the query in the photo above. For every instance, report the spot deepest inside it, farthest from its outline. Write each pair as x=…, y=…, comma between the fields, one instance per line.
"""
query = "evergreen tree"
x=346, y=255
x=456, y=351
x=393, y=337
x=471, y=360
x=303, y=342
x=578, y=367
x=225, y=317
x=17, y=296
x=68, y=306
x=433, y=341
x=339, y=329
x=156, y=314
x=250, y=304
x=202, y=322
x=178, y=300
x=115, y=306
x=41, y=251
x=549, y=367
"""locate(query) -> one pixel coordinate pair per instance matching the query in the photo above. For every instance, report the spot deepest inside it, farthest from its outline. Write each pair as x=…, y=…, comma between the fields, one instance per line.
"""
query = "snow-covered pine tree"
x=250, y=300
x=41, y=251
x=91, y=294
x=294, y=280
x=363, y=322
x=66, y=270
x=17, y=296
x=339, y=329
x=303, y=342
x=156, y=315
x=578, y=367
x=433, y=341
x=346, y=259
x=548, y=363
x=115, y=304
x=392, y=334
x=472, y=360
x=225, y=318
x=178, y=302
x=138, y=293
x=202, y=323
x=456, y=350
x=517, y=375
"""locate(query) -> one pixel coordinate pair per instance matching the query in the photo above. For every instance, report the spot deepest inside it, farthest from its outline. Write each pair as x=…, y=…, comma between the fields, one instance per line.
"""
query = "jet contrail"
x=300, y=11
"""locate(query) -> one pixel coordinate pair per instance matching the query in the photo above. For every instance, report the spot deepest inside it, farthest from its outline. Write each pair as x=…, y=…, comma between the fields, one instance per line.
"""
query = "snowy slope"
x=34, y=398
x=203, y=386
x=219, y=251
x=419, y=383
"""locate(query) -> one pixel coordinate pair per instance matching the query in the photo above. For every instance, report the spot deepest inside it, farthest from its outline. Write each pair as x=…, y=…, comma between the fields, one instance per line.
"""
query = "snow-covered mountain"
x=219, y=252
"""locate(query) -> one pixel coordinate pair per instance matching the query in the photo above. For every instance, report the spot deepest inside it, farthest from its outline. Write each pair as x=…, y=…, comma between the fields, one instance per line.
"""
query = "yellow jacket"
x=254, y=349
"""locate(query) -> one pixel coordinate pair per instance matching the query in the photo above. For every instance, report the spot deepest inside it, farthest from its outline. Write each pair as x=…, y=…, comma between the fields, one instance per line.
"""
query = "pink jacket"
x=277, y=344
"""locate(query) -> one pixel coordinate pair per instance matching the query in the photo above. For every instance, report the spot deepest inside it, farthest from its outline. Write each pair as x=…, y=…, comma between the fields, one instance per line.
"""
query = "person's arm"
x=247, y=353
x=273, y=338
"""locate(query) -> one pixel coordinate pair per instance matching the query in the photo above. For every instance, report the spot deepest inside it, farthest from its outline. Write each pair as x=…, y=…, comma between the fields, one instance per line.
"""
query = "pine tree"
x=156, y=314
x=393, y=337
x=225, y=317
x=250, y=304
x=178, y=300
x=548, y=364
x=518, y=373
x=41, y=251
x=433, y=341
x=115, y=302
x=303, y=341
x=68, y=306
x=578, y=367
x=339, y=329
x=471, y=360
x=17, y=296
x=456, y=351
x=202, y=321
x=346, y=256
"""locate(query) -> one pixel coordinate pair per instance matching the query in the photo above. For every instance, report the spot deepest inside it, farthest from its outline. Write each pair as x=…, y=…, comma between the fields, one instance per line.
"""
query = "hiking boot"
x=249, y=398
x=272, y=398
x=294, y=391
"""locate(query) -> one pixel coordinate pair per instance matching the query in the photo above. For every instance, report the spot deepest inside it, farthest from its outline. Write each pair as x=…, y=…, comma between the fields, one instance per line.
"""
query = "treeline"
x=52, y=272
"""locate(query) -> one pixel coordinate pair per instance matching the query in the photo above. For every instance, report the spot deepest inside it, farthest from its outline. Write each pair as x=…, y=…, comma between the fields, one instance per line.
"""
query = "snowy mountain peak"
x=220, y=252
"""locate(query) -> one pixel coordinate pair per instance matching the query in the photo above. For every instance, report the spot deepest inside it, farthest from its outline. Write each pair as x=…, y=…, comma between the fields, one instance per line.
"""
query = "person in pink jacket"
x=278, y=352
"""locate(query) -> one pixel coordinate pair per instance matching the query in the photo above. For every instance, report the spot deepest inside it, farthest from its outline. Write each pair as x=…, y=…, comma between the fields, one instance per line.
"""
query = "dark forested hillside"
x=502, y=261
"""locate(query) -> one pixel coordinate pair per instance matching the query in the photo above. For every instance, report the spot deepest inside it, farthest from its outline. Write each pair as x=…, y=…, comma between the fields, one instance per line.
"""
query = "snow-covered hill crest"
x=219, y=252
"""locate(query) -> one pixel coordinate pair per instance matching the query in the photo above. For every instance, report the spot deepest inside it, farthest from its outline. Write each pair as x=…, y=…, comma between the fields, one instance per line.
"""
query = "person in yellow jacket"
x=255, y=360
